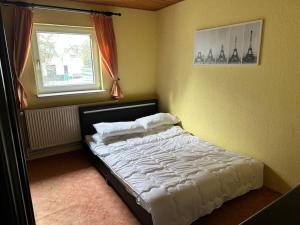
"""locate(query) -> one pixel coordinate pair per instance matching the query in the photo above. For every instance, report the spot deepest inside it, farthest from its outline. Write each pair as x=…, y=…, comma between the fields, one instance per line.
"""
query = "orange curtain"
x=21, y=44
x=107, y=44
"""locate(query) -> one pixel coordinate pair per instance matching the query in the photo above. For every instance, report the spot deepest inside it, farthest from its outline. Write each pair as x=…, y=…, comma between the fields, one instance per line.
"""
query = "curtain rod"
x=59, y=8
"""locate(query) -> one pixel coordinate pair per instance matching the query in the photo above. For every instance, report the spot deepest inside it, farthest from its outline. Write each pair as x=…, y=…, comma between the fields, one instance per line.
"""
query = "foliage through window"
x=66, y=59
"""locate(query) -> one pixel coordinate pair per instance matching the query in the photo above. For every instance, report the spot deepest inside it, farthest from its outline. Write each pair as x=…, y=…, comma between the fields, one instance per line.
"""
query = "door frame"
x=16, y=204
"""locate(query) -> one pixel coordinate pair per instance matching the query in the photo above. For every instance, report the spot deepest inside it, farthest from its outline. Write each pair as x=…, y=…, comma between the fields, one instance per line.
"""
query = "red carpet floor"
x=67, y=190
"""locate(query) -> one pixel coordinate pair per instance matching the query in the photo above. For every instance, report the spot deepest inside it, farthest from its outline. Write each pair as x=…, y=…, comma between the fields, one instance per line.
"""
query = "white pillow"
x=96, y=138
x=106, y=130
x=157, y=120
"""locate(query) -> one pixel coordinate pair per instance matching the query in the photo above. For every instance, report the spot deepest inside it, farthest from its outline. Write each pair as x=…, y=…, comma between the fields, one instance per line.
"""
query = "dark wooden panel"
x=15, y=199
x=284, y=211
x=152, y=5
x=130, y=111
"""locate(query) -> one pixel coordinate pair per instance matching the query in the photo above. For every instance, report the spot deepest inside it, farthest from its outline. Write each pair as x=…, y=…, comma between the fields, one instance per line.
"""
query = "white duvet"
x=178, y=177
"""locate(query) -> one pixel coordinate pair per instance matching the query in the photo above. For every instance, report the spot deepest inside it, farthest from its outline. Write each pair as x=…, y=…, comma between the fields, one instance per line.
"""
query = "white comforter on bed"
x=178, y=177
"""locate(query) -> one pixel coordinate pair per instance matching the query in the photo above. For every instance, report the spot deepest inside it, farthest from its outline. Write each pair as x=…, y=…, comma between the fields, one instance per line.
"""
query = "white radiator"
x=52, y=126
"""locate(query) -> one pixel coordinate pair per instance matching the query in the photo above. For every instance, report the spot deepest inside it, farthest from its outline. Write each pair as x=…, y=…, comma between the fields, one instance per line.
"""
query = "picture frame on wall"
x=237, y=44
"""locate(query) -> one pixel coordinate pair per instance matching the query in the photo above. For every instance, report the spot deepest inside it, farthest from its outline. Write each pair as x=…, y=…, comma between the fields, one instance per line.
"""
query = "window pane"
x=65, y=59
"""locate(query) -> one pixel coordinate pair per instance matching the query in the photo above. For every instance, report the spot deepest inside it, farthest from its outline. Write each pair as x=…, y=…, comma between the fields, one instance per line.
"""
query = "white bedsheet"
x=178, y=177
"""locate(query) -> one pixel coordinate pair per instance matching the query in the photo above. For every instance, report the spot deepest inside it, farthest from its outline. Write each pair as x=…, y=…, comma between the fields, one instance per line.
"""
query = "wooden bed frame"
x=90, y=115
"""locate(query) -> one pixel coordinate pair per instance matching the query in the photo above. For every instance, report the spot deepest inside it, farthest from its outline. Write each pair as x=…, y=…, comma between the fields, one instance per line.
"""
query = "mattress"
x=176, y=176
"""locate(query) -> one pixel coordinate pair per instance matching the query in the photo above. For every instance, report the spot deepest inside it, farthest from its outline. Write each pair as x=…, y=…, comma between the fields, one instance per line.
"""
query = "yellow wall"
x=136, y=42
x=253, y=110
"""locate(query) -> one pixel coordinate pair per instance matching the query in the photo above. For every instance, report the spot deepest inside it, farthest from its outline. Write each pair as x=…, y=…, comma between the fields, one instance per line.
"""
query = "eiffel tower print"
x=250, y=57
x=234, y=59
x=222, y=58
x=199, y=59
x=210, y=58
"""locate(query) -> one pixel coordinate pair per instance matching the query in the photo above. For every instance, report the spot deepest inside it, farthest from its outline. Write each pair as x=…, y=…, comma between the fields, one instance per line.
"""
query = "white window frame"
x=64, y=29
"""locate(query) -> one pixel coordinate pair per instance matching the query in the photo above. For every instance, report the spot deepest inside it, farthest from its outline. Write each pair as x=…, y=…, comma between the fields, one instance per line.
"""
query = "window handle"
x=38, y=63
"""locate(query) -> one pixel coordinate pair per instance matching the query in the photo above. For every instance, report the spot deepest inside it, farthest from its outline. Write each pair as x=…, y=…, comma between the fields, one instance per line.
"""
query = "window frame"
x=65, y=29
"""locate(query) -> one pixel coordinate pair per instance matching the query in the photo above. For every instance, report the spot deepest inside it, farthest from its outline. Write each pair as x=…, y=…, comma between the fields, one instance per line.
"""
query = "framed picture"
x=234, y=44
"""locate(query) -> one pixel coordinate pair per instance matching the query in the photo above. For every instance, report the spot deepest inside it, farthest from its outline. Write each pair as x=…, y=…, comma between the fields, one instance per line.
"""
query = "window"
x=66, y=59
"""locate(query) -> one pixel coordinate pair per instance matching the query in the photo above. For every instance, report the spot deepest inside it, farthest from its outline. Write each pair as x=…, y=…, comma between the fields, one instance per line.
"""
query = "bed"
x=166, y=176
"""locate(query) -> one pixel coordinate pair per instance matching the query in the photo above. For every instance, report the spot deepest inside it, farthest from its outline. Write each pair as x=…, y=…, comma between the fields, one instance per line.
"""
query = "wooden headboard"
x=115, y=112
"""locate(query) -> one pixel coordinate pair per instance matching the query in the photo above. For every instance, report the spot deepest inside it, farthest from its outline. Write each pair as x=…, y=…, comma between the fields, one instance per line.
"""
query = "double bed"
x=166, y=175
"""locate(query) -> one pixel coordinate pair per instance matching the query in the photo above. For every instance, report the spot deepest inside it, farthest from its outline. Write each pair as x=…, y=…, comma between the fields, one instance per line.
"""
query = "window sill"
x=57, y=94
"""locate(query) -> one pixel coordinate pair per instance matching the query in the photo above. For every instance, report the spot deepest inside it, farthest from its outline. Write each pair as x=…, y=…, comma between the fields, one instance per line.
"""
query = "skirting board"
x=53, y=151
